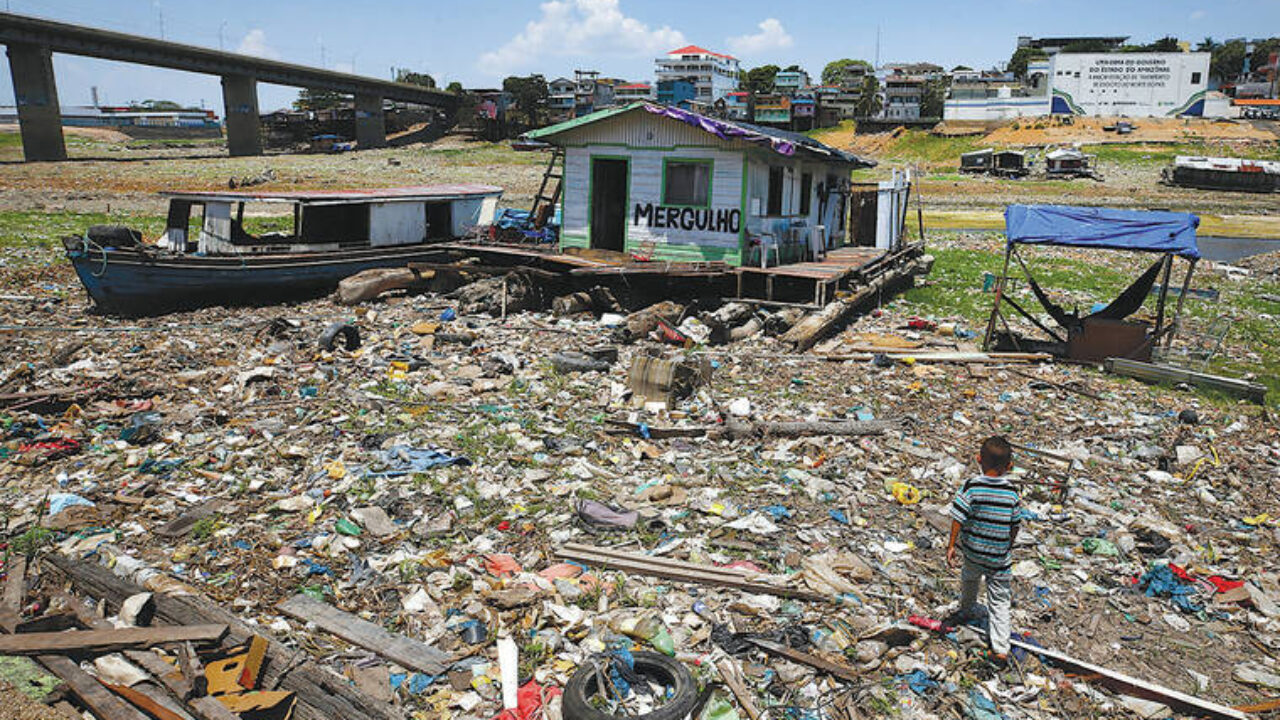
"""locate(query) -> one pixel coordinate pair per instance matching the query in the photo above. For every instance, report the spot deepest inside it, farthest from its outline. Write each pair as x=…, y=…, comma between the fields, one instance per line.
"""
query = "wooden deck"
x=809, y=282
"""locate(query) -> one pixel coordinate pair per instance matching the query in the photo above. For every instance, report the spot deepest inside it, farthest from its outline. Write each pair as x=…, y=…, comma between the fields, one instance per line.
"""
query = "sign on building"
x=1133, y=84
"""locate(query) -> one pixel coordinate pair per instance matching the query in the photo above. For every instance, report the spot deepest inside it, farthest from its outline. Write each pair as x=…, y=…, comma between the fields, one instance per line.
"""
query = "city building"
x=1097, y=85
x=902, y=97
x=735, y=104
x=853, y=75
x=923, y=69
x=561, y=99
x=631, y=92
x=715, y=74
x=837, y=103
x=678, y=92
x=789, y=82
x=996, y=95
x=773, y=110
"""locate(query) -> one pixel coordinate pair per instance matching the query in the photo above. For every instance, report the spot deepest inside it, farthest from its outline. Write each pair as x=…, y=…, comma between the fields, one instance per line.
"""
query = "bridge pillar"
x=36, y=94
x=371, y=123
x=240, y=103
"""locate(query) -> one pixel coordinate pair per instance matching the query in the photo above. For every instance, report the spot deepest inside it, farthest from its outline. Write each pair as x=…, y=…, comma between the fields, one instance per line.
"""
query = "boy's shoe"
x=998, y=659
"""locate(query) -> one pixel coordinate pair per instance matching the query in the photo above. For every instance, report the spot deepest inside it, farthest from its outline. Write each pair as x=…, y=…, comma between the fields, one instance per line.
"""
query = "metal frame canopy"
x=1169, y=234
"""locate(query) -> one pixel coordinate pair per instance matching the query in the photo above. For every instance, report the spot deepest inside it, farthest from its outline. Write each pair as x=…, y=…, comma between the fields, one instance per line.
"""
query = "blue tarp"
x=1106, y=228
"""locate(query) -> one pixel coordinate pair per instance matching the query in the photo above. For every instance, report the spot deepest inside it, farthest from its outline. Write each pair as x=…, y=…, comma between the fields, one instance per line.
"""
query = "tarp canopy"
x=1106, y=228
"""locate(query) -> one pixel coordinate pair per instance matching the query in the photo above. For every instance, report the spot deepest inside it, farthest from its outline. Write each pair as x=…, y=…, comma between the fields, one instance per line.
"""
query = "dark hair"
x=996, y=454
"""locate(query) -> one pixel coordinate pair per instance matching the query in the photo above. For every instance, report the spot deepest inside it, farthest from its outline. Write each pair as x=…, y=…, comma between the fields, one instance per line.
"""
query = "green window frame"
x=706, y=163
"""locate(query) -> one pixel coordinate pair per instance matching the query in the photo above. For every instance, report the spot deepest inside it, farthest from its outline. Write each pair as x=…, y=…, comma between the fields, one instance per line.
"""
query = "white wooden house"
x=667, y=184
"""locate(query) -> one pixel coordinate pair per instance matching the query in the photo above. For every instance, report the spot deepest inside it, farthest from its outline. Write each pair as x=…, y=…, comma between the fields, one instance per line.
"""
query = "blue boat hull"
x=123, y=282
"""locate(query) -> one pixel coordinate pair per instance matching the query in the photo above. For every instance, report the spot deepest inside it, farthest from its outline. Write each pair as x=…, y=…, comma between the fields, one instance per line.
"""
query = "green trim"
x=711, y=168
x=1071, y=102
x=542, y=133
x=626, y=146
x=742, y=210
x=1189, y=102
x=626, y=204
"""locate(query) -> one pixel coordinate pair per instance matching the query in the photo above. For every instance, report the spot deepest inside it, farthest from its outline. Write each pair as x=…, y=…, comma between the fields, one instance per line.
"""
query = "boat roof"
x=333, y=197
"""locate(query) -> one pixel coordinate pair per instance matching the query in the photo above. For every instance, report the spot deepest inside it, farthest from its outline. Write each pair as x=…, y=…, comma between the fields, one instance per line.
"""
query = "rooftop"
x=695, y=50
x=411, y=192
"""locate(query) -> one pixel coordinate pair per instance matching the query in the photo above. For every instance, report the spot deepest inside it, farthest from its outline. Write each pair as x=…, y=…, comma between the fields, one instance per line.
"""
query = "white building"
x=1133, y=84
x=1098, y=85
x=715, y=74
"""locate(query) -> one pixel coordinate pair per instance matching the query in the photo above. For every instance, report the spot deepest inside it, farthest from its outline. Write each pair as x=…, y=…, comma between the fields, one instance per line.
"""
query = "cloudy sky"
x=478, y=42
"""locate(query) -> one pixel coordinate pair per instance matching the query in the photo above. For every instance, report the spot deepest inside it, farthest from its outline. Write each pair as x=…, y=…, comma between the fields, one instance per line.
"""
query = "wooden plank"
x=14, y=591
x=183, y=524
x=93, y=694
x=732, y=573
x=1151, y=372
x=1157, y=692
x=105, y=641
x=323, y=694
x=189, y=684
x=146, y=698
x=731, y=674
x=402, y=650
x=702, y=575
x=834, y=669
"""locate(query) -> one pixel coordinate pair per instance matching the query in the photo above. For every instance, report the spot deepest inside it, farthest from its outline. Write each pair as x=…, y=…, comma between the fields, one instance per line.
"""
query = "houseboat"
x=1220, y=173
x=207, y=256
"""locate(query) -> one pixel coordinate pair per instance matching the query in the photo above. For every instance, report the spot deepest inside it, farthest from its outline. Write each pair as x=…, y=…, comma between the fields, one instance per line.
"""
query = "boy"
x=984, y=518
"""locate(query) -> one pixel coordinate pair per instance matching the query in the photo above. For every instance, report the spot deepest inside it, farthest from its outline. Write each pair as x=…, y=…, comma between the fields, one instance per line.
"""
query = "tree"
x=793, y=68
x=405, y=75
x=530, y=95
x=834, y=71
x=1087, y=46
x=454, y=87
x=935, y=96
x=1208, y=45
x=759, y=80
x=1167, y=43
x=960, y=68
x=1021, y=58
x=869, y=100
x=314, y=99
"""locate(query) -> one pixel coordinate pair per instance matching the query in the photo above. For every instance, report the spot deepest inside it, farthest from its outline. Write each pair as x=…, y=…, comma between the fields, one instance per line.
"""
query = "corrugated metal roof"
x=414, y=192
x=695, y=50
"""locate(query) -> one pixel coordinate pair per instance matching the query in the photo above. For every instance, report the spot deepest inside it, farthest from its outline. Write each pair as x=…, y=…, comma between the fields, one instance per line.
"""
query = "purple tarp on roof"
x=722, y=130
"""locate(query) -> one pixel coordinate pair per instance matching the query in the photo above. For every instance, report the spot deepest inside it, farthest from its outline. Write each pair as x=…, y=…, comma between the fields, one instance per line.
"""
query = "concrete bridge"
x=31, y=43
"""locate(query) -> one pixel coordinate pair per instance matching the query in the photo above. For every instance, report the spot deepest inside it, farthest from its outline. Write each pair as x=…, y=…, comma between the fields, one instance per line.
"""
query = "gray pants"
x=999, y=598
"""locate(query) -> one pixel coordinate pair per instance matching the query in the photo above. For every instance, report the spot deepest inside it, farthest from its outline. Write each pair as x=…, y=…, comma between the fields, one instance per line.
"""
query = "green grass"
x=28, y=229
x=919, y=146
x=1164, y=153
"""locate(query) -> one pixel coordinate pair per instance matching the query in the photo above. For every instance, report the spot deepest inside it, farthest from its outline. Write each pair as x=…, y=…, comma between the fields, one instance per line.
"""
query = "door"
x=609, y=203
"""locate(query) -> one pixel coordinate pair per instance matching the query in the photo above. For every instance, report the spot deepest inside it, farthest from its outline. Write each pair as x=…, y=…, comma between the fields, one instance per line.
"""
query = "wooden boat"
x=211, y=259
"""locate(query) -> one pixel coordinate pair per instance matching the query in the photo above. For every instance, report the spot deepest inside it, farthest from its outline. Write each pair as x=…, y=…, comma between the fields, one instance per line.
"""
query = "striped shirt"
x=987, y=509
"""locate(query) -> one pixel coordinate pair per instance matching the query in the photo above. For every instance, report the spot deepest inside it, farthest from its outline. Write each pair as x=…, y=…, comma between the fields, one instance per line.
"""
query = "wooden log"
x=1151, y=372
x=735, y=429
x=683, y=572
x=402, y=650
x=840, y=671
x=369, y=284
x=1135, y=686
x=107, y=641
x=731, y=674
x=322, y=694
x=182, y=524
x=817, y=325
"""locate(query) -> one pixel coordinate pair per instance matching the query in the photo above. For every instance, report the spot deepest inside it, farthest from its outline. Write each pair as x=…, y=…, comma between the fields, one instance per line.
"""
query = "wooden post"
x=1177, y=313
x=1164, y=293
x=995, y=307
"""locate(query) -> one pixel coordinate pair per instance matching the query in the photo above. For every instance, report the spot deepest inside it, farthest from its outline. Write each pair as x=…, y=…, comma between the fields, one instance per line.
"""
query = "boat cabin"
x=662, y=183
x=214, y=223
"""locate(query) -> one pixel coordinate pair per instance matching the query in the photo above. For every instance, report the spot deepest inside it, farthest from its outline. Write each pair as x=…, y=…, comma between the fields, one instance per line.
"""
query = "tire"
x=350, y=336
x=114, y=235
x=584, y=685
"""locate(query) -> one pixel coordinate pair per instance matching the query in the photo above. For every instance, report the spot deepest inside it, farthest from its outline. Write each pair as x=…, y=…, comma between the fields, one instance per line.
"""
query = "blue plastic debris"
x=777, y=512
x=448, y=315
x=839, y=516
x=61, y=501
x=1160, y=581
x=981, y=707
x=404, y=459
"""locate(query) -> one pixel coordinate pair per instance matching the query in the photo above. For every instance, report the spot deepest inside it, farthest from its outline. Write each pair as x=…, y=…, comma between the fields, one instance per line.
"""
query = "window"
x=774, y=204
x=806, y=189
x=1195, y=78
x=687, y=183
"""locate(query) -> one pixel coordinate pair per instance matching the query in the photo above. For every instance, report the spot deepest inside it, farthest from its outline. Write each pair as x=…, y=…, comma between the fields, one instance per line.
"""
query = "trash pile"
x=443, y=505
